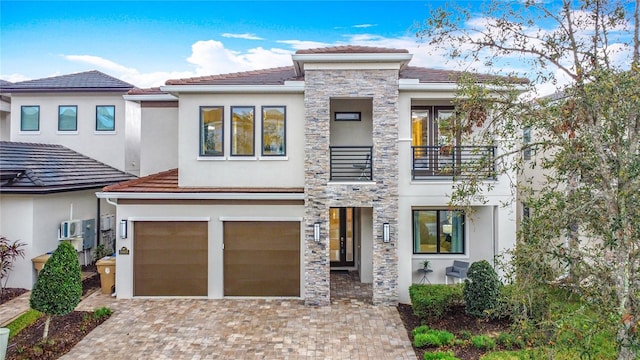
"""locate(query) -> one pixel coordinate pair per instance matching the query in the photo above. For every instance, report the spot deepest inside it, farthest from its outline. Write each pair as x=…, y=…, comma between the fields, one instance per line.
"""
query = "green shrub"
x=483, y=342
x=465, y=335
x=433, y=338
x=23, y=321
x=440, y=355
x=509, y=341
x=103, y=312
x=420, y=330
x=434, y=300
x=59, y=286
x=481, y=289
x=512, y=355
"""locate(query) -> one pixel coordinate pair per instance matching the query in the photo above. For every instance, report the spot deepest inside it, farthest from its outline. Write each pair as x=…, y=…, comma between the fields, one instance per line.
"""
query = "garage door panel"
x=262, y=258
x=170, y=258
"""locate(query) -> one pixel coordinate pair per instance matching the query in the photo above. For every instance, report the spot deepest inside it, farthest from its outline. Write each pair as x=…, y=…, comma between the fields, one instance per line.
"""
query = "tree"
x=9, y=252
x=585, y=208
x=59, y=286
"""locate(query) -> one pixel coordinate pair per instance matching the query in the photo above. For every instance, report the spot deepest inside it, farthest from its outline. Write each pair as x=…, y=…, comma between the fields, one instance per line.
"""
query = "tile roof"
x=167, y=182
x=352, y=49
x=428, y=75
x=85, y=81
x=273, y=76
x=5, y=83
x=148, y=91
x=44, y=168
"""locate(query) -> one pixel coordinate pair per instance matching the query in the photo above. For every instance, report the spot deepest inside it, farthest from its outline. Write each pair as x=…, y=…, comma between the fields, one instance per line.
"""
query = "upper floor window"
x=242, y=130
x=526, y=140
x=274, y=131
x=105, y=118
x=438, y=232
x=211, y=131
x=30, y=118
x=433, y=126
x=67, y=118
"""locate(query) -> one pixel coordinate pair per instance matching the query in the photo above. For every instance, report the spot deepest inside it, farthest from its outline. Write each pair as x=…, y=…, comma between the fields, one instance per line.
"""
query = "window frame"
x=201, y=131
x=22, y=128
x=438, y=232
x=114, y=118
x=253, y=131
x=60, y=107
x=284, y=134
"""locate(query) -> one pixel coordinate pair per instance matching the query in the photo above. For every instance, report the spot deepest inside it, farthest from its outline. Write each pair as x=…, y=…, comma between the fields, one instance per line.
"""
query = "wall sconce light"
x=123, y=229
x=316, y=232
x=385, y=232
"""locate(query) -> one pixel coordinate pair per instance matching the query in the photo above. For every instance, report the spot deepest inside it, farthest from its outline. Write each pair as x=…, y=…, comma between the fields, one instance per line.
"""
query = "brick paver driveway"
x=245, y=329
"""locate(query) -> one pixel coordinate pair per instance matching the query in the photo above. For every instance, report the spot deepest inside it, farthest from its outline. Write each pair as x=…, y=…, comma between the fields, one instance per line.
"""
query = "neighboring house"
x=85, y=112
x=335, y=162
x=42, y=186
x=5, y=112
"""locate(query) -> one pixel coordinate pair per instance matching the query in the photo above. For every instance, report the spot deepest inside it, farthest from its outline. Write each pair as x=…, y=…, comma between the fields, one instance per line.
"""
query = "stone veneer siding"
x=382, y=87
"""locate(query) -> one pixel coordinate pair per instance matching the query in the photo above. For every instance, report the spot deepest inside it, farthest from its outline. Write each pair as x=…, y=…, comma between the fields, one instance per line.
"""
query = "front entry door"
x=341, y=237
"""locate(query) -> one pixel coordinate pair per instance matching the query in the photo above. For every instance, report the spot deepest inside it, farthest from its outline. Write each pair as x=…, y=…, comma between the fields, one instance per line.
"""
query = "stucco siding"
x=159, y=140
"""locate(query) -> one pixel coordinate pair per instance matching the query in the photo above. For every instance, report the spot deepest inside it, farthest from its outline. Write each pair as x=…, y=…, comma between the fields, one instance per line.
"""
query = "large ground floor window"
x=438, y=232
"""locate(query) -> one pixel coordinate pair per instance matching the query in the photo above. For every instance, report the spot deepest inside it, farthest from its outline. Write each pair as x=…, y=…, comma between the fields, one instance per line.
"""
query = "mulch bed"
x=10, y=293
x=64, y=331
x=455, y=322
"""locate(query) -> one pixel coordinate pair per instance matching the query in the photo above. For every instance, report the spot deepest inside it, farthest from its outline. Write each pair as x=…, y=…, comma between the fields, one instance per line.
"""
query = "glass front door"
x=341, y=250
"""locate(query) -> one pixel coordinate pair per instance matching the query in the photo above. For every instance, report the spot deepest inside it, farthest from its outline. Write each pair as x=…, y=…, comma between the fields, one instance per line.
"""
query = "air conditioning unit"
x=106, y=222
x=71, y=228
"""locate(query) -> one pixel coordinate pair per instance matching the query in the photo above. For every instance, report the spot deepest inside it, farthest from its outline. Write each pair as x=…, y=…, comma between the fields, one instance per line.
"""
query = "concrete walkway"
x=242, y=329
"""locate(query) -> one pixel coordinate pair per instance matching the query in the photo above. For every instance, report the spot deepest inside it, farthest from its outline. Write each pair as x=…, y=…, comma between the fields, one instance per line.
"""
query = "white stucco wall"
x=34, y=220
x=352, y=133
x=5, y=118
x=229, y=171
x=133, y=117
x=215, y=215
x=159, y=139
x=108, y=147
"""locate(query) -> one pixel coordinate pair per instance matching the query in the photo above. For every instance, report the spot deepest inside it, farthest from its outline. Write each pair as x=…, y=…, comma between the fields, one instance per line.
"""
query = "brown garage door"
x=170, y=258
x=262, y=258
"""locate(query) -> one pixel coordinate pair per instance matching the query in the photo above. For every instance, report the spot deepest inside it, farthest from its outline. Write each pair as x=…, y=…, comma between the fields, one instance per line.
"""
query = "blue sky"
x=148, y=42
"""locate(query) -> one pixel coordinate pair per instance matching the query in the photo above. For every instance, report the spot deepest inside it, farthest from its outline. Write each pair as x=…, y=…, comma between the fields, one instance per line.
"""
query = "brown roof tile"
x=149, y=91
x=352, y=49
x=428, y=75
x=167, y=182
x=273, y=76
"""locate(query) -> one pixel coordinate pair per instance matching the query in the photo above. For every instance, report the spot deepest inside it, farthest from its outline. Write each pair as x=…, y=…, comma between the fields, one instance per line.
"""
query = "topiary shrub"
x=434, y=300
x=481, y=289
x=59, y=286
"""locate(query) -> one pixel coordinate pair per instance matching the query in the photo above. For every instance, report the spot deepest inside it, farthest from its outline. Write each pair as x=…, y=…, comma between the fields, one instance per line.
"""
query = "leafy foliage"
x=483, y=342
x=9, y=252
x=433, y=338
x=582, y=183
x=439, y=355
x=481, y=289
x=58, y=289
x=434, y=300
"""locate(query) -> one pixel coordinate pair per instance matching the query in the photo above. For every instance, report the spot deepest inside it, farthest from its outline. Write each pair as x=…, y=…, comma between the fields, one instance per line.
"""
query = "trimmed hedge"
x=58, y=289
x=433, y=301
x=481, y=289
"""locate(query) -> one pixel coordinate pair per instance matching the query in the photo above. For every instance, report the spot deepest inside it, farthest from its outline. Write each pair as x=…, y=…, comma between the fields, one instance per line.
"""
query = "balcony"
x=351, y=163
x=453, y=162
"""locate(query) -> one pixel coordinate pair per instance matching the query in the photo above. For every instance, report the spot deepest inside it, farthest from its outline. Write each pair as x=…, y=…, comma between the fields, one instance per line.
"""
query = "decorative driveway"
x=243, y=329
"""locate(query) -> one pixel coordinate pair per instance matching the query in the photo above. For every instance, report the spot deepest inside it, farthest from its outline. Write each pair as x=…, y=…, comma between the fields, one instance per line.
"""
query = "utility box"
x=107, y=270
x=39, y=261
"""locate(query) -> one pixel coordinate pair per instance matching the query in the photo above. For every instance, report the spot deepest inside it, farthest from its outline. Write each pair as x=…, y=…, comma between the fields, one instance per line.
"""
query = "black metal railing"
x=430, y=162
x=351, y=163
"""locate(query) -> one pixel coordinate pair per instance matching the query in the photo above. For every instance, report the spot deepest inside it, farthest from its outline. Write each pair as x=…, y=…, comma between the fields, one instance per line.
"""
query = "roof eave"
x=405, y=85
x=50, y=189
x=300, y=59
x=151, y=97
x=288, y=87
x=200, y=196
x=67, y=90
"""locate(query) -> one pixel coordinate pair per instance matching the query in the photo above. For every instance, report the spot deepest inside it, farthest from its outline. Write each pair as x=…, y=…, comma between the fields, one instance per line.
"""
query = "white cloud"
x=364, y=25
x=14, y=77
x=304, y=44
x=245, y=36
x=101, y=63
x=211, y=57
